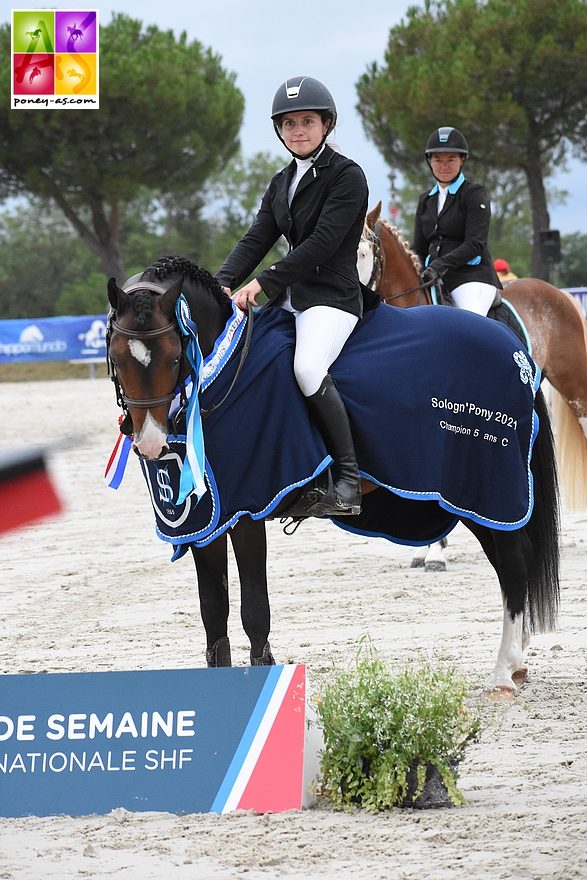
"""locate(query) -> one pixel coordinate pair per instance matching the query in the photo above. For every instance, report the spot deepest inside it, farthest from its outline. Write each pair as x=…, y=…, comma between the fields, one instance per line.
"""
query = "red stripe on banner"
x=276, y=782
x=27, y=498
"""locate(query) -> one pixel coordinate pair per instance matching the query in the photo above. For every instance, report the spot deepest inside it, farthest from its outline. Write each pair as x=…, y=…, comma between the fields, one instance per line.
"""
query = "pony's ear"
x=116, y=296
x=170, y=297
x=373, y=215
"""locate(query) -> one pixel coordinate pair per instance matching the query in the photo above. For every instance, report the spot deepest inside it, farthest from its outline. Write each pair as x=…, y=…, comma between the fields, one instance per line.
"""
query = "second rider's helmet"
x=446, y=140
x=303, y=93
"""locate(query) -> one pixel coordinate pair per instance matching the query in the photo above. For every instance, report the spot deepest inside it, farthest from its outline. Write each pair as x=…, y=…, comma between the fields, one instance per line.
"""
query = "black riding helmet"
x=446, y=140
x=303, y=93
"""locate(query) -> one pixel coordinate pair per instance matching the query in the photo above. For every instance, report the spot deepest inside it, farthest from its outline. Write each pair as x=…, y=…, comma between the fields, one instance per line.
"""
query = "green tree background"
x=512, y=74
x=88, y=194
x=46, y=269
x=170, y=117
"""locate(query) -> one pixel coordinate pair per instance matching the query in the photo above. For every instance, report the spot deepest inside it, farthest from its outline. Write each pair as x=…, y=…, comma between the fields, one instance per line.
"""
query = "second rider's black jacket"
x=454, y=242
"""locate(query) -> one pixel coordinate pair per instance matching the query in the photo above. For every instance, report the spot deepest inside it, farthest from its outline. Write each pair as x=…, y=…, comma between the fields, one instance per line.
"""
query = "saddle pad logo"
x=55, y=59
x=526, y=371
x=163, y=482
x=165, y=490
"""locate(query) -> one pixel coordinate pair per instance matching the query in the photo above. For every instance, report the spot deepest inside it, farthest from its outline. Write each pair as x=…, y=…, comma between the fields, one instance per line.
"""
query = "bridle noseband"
x=122, y=399
x=144, y=335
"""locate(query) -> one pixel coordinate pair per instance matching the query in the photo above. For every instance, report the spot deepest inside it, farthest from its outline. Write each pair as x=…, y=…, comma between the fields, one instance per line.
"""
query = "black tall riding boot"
x=330, y=415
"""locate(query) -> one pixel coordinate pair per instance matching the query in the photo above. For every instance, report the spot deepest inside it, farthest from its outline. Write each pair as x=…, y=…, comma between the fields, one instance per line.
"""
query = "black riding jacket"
x=454, y=242
x=322, y=226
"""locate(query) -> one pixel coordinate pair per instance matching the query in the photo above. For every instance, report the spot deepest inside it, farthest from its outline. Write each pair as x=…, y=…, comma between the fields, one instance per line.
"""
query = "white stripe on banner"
x=260, y=738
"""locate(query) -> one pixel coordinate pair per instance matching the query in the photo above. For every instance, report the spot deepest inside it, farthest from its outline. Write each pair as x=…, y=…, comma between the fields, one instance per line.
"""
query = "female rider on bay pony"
x=318, y=202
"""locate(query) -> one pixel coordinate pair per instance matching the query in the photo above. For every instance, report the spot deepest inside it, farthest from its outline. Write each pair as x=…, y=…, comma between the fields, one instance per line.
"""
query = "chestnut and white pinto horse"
x=558, y=335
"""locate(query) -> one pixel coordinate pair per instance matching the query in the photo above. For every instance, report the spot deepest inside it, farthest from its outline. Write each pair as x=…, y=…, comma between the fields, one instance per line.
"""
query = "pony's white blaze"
x=139, y=351
x=152, y=438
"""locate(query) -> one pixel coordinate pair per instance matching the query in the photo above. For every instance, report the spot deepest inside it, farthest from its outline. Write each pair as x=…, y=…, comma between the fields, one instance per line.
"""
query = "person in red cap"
x=504, y=273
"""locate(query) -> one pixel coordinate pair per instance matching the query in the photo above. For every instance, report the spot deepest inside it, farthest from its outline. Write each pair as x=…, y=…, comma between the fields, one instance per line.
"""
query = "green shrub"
x=378, y=723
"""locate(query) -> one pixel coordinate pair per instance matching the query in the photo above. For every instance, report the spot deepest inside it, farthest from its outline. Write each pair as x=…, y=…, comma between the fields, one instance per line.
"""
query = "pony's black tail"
x=544, y=528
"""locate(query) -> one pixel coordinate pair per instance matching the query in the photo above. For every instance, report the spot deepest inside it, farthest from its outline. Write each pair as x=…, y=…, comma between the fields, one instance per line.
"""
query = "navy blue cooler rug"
x=441, y=407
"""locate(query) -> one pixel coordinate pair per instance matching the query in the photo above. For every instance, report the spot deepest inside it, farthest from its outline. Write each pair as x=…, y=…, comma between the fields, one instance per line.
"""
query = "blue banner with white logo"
x=78, y=337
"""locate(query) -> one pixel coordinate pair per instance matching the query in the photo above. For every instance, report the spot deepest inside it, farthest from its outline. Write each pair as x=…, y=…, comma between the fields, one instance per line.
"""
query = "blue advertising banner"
x=186, y=740
x=53, y=339
x=84, y=337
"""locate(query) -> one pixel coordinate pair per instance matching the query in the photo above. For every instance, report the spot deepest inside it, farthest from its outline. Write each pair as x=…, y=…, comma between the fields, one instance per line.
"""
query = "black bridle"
x=378, y=256
x=124, y=401
x=143, y=335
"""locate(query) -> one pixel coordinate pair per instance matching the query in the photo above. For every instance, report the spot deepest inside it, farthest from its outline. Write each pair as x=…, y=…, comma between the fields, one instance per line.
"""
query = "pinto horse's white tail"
x=571, y=453
x=571, y=442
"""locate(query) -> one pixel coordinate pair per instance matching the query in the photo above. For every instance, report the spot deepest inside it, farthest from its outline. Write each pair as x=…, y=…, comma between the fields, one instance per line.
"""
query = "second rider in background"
x=452, y=226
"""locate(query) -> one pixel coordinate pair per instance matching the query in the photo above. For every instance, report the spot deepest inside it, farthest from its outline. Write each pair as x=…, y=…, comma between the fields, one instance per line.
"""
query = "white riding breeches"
x=475, y=296
x=321, y=332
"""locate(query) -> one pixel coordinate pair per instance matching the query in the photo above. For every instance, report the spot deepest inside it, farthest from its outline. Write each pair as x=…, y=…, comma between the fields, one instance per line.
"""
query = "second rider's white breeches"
x=475, y=296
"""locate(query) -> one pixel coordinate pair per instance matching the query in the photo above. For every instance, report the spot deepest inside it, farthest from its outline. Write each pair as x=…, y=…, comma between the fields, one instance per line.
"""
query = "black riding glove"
x=429, y=275
x=432, y=273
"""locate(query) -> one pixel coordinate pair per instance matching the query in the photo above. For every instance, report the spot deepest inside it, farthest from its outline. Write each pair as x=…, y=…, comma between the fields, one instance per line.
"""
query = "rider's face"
x=302, y=131
x=446, y=166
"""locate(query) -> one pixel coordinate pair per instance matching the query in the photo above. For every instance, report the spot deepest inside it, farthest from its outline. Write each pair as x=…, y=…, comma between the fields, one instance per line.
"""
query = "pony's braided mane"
x=393, y=230
x=173, y=264
x=142, y=304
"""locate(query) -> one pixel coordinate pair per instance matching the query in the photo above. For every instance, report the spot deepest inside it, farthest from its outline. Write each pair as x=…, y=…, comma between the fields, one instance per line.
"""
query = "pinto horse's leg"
x=430, y=557
x=435, y=560
x=419, y=556
x=212, y=570
x=249, y=542
x=510, y=670
x=509, y=553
